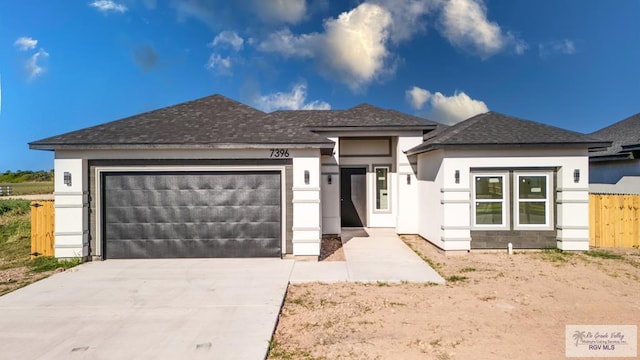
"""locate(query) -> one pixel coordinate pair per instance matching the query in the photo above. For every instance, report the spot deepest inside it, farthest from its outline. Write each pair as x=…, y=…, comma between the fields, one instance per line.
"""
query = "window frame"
x=548, y=225
x=387, y=209
x=506, y=204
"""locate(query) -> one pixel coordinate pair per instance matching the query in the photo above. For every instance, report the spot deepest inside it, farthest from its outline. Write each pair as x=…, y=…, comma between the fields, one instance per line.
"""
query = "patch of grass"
x=15, y=233
x=434, y=265
x=382, y=283
x=456, y=278
x=276, y=351
x=30, y=188
x=555, y=255
x=468, y=269
x=603, y=254
x=14, y=207
x=48, y=263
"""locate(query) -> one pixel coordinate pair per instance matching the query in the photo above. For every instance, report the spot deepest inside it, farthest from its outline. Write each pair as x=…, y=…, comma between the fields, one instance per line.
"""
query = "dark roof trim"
x=631, y=147
x=433, y=147
x=611, y=157
x=41, y=146
x=372, y=128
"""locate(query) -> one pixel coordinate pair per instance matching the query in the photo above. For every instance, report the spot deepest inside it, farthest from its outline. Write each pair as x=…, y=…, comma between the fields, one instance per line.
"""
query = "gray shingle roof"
x=205, y=122
x=217, y=121
x=360, y=116
x=625, y=137
x=495, y=129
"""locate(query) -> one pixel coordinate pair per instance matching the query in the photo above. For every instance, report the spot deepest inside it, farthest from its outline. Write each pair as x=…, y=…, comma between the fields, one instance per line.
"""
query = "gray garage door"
x=191, y=214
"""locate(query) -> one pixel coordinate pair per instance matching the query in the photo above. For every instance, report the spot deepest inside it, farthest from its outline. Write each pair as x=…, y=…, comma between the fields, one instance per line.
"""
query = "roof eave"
x=372, y=128
x=472, y=146
x=54, y=147
x=611, y=157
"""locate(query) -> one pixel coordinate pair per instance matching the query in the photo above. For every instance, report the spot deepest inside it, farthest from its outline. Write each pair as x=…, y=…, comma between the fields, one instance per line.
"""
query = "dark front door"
x=353, y=197
x=191, y=214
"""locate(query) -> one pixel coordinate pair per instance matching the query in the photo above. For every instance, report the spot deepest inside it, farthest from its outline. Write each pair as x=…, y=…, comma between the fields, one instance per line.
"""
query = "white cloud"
x=465, y=24
x=293, y=100
x=286, y=43
x=561, y=47
x=107, y=6
x=25, y=43
x=281, y=11
x=417, y=97
x=32, y=66
x=407, y=16
x=353, y=47
x=228, y=38
x=445, y=109
x=220, y=65
x=356, y=44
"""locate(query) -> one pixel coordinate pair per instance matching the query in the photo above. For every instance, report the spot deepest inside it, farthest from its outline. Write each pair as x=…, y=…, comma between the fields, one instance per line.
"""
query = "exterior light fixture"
x=576, y=175
x=329, y=179
x=408, y=179
x=67, y=178
x=306, y=177
x=457, y=176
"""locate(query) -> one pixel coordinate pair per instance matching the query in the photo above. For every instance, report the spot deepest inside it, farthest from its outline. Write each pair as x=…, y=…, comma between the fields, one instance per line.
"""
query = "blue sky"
x=66, y=65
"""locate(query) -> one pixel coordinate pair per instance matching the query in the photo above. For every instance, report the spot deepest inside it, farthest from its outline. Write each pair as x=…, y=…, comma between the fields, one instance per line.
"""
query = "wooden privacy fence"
x=613, y=220
x=42, y=216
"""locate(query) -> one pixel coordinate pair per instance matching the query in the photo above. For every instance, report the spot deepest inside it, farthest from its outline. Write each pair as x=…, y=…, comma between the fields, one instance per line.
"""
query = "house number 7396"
x=279, y=153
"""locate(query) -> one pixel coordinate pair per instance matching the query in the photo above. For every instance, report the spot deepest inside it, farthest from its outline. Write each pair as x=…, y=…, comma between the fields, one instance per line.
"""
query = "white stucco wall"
x=454, y=201
x=430, y=208
x=407, y=199
x=307, y=215
x=331, y=192
x=71, y=227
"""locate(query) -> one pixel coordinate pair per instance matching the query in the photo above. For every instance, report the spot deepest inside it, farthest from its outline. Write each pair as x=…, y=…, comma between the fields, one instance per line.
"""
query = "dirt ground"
x=15, y=278
x=494, y=306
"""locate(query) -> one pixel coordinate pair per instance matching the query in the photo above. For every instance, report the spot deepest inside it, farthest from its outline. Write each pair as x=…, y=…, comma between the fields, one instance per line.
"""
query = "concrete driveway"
x=147, y=309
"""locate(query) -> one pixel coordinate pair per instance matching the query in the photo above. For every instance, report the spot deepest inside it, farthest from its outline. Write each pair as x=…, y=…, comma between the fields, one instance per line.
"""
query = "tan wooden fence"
x=614, y=220
x=42, y=226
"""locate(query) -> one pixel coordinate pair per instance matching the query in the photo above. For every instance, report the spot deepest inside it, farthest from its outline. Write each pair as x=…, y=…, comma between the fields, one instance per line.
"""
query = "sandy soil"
x=15, y=278
x=494, y=306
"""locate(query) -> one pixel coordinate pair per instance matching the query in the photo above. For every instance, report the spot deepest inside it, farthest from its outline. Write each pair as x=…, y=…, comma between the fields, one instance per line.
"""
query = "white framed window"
x=532, y=200
x=516, y=200
x=382, y=187
x=490, y=201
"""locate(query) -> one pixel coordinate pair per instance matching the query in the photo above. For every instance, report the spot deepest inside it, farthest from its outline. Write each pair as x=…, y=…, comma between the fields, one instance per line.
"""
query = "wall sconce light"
x=576, y=175
x=306, y=177
x=457, y=176
x=329, y=179
x=408, y=179
x=67, y=178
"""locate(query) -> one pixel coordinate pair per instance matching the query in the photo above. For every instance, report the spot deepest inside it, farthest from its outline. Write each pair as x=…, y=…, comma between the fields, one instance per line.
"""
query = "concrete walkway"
x=371, y=255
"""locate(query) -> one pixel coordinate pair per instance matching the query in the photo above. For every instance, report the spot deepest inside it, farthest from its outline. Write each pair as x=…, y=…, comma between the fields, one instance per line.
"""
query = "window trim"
x=375, y=189
x=548, y=225
x=506, y=204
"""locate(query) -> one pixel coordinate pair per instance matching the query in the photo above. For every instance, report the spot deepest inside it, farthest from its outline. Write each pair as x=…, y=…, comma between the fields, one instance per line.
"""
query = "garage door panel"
x=200, y=214
x=192, y=214
x=230, y=248
x=217, y=231
x=182, y=197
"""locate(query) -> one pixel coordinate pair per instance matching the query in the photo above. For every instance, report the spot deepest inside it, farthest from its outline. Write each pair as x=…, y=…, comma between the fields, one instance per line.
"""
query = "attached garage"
x=191, y=214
